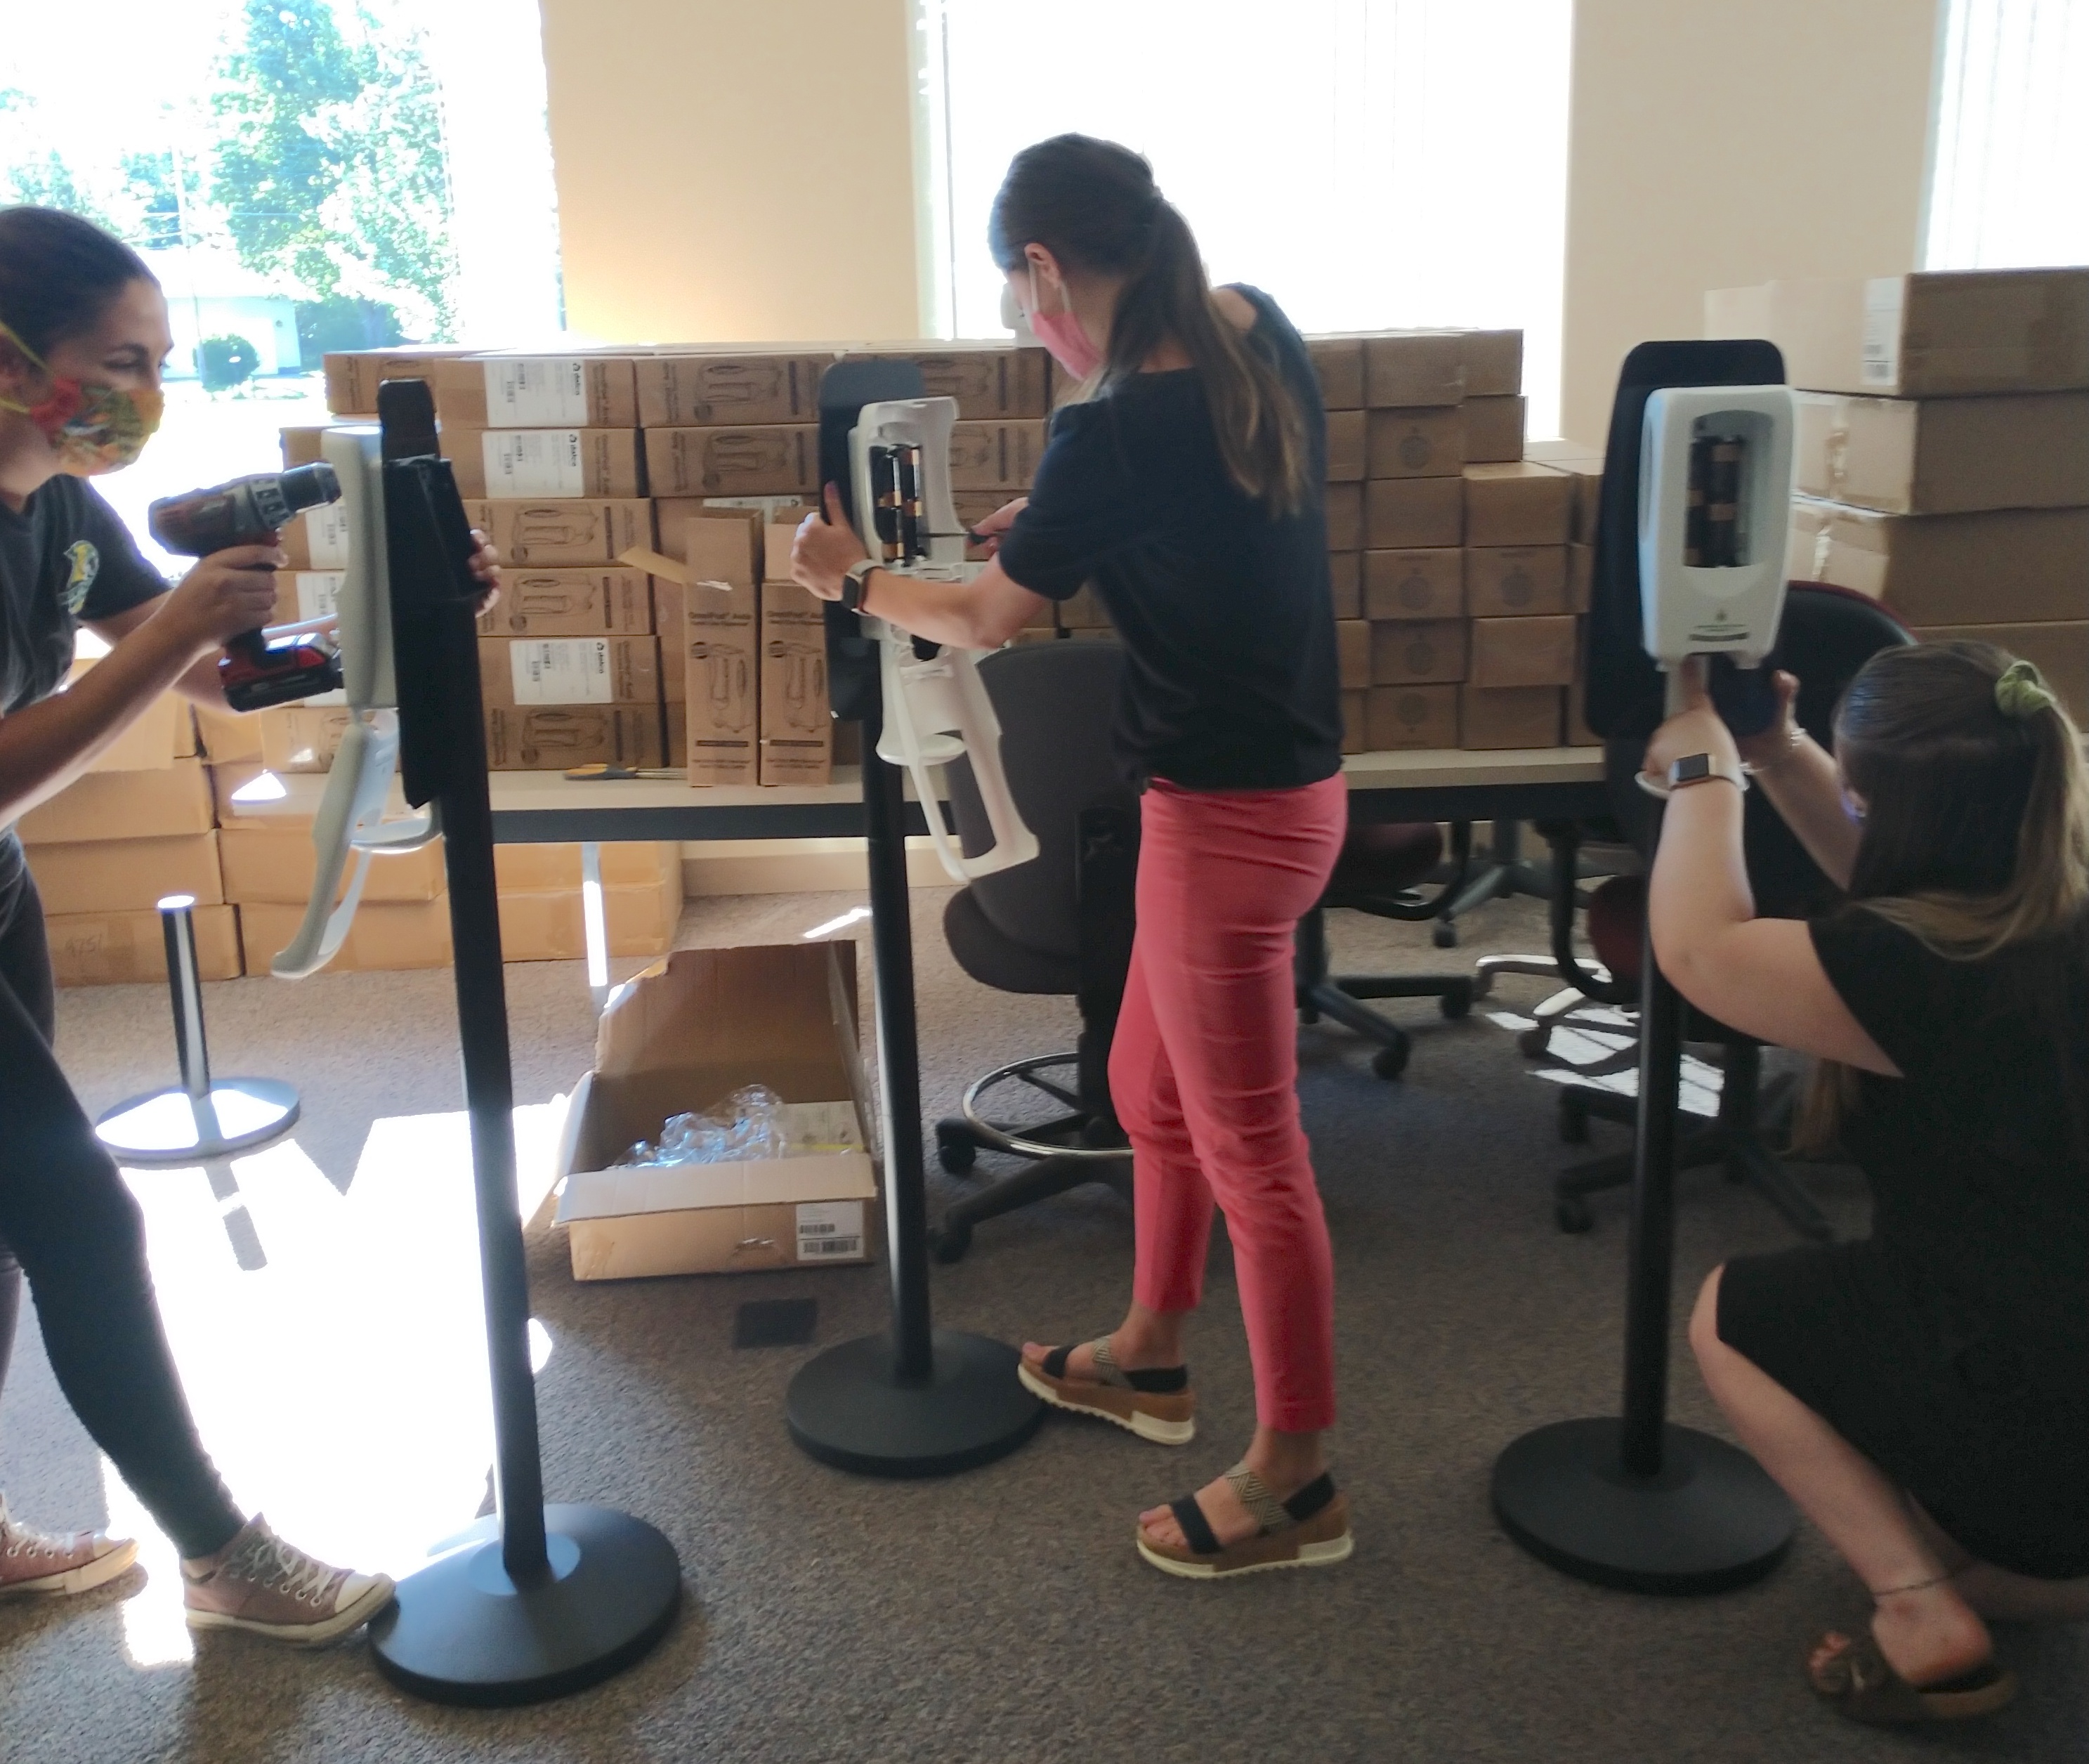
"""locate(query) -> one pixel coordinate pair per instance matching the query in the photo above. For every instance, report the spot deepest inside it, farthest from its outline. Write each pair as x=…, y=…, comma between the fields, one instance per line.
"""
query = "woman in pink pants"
x=1184, y=483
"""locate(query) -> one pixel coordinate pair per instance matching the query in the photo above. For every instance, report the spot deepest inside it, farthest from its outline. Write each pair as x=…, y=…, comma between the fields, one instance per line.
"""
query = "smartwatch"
x=1692, y=768
x=856, y=583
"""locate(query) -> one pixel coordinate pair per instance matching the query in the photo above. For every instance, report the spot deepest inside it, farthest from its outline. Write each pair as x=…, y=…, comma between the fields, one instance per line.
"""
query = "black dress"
x=1952, y=1347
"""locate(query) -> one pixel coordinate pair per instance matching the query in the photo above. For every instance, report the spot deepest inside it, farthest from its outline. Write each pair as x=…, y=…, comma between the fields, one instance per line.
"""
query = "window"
x=2006, y=186
x=302, y=175
x=1370, y=163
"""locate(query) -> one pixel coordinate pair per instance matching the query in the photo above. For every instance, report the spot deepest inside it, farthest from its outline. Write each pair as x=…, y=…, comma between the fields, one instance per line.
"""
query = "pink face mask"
x=1062, y=337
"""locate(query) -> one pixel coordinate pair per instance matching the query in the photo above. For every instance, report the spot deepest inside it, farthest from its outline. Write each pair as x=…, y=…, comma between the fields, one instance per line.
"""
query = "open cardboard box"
x=681, y=1037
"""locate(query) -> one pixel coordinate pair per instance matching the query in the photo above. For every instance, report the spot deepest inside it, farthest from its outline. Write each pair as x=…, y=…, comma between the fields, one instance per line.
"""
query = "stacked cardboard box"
x=1943, y=450
x=134, y=829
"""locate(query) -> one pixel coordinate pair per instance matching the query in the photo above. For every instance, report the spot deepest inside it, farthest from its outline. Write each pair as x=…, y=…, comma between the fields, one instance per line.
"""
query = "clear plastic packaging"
x=748, y=1124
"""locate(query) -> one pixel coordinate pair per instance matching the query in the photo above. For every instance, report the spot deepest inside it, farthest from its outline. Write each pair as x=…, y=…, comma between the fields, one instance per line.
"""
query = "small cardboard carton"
x=1345, y=582
x=1944, y=456
x=549, y=924
x=1520, y=503
x=995, y=455
x=1339, y=360
x=104, y=949
x=1414, y=514
x=1347, y=446
x=718, y=647
x=683, y=1035
x=1345, y=504
x=1425, y=583
x=1410, y=368
x=1407, y=717
x=515, y=463
x=156, y=805
x=1353, y=654
x=521, y=672
x=536, y=392
x=1426, y=442
x=1420, y=653
x=561, y=534
x=551, y=738
x=1937, y=333
x=704, y=390
x=796, y=723
x=1353, y=704
x=2059, y=650
x=1494, y=428
x=274, y=865
x=127, y=875
x=1999, y=566
x=570, y=602
x=387, y=936
x=1494, y=364
x=1538, y=651
x=1508, y=581
x=776, y=459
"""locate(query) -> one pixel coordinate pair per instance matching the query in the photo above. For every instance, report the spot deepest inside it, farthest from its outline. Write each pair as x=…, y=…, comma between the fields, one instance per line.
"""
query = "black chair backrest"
x=1827, y=635
x=1057, y=701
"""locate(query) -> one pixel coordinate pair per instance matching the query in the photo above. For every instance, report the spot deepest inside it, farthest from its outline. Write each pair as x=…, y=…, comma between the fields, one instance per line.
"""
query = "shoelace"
x=271, y=1562
x=26, y=1540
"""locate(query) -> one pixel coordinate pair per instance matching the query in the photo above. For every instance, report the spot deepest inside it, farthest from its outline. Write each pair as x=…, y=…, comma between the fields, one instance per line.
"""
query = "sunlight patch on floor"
x=341, y=1384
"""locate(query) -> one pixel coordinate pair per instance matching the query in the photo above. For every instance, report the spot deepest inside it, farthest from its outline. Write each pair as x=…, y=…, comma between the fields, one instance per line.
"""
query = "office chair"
x=1829, y=633
x=1061, y=925
x=1378, y=872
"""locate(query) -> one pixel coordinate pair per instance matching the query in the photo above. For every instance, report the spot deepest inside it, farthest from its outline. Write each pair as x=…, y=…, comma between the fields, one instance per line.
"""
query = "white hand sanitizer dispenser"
x=1714, y=521
x=350, y=821
x=936, y=710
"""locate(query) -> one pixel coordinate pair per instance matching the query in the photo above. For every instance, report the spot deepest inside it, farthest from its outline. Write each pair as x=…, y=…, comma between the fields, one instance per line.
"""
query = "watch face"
x=1692, y=767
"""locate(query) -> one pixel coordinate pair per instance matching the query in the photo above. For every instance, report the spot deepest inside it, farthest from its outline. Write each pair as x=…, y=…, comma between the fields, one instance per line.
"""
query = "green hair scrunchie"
x=2020, y=692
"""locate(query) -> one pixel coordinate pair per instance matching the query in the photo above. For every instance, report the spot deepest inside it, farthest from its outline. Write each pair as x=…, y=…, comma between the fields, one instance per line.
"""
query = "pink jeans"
x=1204, y=1068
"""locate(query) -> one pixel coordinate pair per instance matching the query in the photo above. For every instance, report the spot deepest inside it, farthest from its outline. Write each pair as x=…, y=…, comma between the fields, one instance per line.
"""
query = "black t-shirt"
x=1979, y=1191
x=65, y=560
x=1225, y=613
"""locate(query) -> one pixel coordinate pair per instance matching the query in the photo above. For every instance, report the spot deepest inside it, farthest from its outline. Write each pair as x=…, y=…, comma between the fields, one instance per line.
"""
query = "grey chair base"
x=1067, y=1151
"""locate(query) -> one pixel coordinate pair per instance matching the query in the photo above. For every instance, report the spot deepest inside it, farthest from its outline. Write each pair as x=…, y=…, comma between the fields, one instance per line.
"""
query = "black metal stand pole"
x=899, y=1063
x=201, y=1118
x=1633, y=1501
x=915, y=1400
x=540, y=1601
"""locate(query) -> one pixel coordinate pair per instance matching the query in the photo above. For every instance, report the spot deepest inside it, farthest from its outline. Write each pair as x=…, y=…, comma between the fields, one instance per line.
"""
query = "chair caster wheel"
x=1389, y=1062
x=1573, y=1216
x=1573, y=1120
x=950, y=1243
x=1455, y=1005
x=956, y=1148
x=1445, y=936
x=1534, y=1043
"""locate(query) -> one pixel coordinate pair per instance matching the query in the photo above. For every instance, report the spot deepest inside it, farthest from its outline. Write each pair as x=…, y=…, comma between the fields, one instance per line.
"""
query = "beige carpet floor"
x=322, y=1300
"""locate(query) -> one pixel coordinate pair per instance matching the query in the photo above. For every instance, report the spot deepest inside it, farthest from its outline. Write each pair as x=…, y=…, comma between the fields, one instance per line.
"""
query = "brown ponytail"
x=1094, y=206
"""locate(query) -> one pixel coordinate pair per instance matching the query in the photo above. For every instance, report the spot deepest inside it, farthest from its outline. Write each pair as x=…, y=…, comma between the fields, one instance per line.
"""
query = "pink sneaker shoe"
x=42, y=1562
x=265, y=1586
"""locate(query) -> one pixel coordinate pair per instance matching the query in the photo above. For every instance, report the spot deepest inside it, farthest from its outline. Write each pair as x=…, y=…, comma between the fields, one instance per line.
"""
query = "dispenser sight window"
x=1712, y=537
x=895, y=480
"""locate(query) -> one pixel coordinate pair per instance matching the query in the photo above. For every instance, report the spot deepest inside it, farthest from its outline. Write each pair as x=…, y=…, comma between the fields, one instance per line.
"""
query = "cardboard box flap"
x=629, y=1191
x=678, y=1014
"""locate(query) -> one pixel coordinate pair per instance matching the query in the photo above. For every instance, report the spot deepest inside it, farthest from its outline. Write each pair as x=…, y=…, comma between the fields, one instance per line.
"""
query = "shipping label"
x=536, y=393
x=828, y=1228
x=327, y=535
x=534, y=462
x=318, y=592
x=1883, y=299
x=573, y=670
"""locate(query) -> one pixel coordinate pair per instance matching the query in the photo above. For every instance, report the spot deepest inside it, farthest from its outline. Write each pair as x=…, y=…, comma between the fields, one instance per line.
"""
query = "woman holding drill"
x=83, y=334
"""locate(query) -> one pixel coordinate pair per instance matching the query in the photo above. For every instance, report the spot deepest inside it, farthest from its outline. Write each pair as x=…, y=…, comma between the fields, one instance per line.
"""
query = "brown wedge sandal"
x=1311, y=1529
x=1157, y=1406
x=1859, y=1683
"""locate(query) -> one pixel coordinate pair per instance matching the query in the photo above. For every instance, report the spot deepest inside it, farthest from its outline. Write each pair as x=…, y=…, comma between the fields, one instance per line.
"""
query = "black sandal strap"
x=1055, y=1363
x=1196, y=1529
x=1311, y=1498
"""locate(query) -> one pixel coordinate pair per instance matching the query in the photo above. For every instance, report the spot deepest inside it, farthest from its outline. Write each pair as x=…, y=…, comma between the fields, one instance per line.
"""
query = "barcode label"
x=830, y=1228
x=542, y=393
x=318, y=592
x=327, y=535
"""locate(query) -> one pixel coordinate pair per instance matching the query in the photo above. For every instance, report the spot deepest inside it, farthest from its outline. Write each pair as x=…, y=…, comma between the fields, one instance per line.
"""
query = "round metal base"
x=168, y=1128
x=462, y=1632
x=847, y=1408
x=999, y=1139
x=1711, y=1521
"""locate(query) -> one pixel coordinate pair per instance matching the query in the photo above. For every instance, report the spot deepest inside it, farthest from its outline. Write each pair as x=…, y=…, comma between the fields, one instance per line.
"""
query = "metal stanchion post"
x=202, y=1116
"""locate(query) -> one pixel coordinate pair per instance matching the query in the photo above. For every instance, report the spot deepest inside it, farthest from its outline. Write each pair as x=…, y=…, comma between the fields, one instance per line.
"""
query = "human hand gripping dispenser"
x=1714, y=519
x=936, y=709
x=350, y=823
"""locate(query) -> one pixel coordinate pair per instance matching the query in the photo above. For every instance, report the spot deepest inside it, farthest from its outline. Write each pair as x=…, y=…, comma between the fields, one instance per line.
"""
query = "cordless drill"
x=255, y=672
